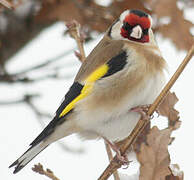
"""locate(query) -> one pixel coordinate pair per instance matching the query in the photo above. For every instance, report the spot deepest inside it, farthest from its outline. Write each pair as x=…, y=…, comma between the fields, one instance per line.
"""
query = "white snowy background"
x=19, y=124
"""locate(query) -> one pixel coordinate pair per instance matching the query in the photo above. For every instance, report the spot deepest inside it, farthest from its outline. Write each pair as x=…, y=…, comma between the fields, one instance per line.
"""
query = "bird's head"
x=133, y=25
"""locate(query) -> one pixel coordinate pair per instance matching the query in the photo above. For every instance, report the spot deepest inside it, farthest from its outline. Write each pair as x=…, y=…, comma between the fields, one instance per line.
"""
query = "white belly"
x=117, y=123
x=114, y=129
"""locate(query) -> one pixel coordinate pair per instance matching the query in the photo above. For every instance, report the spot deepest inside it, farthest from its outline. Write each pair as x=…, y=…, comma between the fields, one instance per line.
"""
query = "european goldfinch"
x=123, y=71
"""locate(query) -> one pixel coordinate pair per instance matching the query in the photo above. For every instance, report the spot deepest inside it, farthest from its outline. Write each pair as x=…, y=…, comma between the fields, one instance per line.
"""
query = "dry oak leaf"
x=166, y=108
x=153, y=156
x=178, y=30
x=88, y=13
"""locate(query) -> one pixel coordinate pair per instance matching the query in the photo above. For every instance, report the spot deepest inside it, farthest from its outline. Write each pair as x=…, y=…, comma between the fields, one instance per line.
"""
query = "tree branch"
x=114, y=164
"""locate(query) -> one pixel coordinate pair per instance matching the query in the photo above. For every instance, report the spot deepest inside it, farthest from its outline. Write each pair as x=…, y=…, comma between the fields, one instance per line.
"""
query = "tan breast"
x=109, y=92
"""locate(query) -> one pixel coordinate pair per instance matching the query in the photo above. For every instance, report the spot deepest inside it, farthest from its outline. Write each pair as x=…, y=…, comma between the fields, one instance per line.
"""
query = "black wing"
x=116, y=64
x=73, y=92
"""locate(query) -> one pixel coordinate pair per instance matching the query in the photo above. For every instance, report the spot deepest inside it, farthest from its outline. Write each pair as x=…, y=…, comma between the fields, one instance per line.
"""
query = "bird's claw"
x=143, y=109
x=122, y=160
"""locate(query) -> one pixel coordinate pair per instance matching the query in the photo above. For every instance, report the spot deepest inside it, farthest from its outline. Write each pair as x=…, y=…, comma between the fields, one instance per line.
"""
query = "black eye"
x=127, y=27
x=145, y=31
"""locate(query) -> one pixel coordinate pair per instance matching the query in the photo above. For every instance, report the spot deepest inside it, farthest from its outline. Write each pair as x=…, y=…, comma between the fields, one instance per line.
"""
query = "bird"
x=125, y=70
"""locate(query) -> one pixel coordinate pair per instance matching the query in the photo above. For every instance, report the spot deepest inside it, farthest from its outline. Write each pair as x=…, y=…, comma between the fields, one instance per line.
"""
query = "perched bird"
x=125, y=70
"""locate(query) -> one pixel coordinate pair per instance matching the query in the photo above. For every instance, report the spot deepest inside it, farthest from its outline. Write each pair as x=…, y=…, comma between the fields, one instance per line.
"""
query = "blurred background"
x=38, y=65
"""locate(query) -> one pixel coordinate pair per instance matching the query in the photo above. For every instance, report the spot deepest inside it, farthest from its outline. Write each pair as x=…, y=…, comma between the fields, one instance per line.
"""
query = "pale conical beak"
x=136, y=32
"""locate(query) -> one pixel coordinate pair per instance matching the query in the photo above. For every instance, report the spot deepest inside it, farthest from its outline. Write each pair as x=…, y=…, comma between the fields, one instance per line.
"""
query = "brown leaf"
x=130, y=4
x=91, y=14
x=142, y=138
x=153, y=156
x=166, y=109
x=178, y=30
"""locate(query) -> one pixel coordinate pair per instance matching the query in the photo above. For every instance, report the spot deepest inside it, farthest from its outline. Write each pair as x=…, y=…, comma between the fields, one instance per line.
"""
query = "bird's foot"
x=142, y=110
x=121, y=159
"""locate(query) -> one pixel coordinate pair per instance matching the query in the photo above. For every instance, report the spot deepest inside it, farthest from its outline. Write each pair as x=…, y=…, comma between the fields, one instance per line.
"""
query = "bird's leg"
x=123, y=159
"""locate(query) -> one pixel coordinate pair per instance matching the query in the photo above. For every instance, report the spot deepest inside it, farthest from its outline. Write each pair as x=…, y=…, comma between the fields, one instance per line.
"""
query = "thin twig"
x=39, y=169
x=74, y=31
x=110, y=157
x=114, y=164
x=21, y=75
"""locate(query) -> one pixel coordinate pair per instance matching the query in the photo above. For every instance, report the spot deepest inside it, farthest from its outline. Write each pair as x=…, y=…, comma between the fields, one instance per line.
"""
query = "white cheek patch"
x=136, y=32
x=116, y=30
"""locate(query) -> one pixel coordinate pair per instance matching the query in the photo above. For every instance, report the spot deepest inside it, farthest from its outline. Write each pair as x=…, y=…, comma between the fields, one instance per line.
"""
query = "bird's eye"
x=127, y=27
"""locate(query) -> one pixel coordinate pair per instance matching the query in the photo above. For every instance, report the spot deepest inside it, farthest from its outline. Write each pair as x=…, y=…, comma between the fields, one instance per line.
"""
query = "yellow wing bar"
x=89, y=82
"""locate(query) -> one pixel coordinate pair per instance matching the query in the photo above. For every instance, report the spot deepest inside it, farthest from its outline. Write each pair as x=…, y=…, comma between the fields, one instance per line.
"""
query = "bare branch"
x=21, y=76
